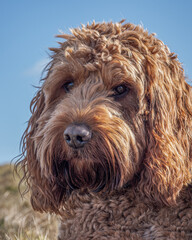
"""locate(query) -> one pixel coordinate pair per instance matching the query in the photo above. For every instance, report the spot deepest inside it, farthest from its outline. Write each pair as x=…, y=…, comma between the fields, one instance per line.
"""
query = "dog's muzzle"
x=77, y=135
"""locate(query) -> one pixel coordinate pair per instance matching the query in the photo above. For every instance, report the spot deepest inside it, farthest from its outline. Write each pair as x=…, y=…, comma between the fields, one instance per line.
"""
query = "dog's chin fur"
x=141, y=139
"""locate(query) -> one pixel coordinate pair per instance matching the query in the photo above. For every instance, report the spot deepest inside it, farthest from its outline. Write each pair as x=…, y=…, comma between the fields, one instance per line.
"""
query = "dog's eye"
x=68, y=86
x=120, y=90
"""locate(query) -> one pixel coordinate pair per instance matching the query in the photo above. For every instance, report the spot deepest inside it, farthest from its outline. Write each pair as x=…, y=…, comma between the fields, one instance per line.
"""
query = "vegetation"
x=17, y=219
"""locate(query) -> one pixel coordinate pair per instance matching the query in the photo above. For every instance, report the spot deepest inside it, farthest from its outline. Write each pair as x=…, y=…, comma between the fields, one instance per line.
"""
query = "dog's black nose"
x=77, y=135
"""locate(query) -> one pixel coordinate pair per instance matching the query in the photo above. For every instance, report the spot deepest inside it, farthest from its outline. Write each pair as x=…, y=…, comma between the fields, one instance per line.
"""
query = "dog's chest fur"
x=125, y=216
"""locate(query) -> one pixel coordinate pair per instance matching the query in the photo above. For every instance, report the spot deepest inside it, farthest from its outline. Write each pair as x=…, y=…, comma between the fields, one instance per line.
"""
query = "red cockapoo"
x=108, y=146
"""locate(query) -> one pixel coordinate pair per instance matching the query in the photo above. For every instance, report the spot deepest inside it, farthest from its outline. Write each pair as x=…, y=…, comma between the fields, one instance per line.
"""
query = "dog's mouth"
x=79, y=173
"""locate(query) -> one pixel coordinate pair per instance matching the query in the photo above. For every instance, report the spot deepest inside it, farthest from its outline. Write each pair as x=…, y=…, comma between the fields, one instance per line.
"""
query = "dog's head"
x=114, y=108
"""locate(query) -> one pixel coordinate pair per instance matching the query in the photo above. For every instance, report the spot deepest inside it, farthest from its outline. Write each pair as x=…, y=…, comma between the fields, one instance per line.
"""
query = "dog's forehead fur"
x=112, y=51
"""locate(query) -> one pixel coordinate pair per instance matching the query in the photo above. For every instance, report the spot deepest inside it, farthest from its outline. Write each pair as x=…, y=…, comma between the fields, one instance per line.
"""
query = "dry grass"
x=17, y=219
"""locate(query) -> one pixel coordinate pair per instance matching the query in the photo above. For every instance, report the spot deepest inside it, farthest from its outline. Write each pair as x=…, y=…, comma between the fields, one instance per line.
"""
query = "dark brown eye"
x=120, y=90
x=68, y=86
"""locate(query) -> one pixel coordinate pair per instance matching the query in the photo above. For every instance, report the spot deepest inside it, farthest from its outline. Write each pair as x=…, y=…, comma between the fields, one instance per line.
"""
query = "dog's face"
x=91, y=132
x=110, y=110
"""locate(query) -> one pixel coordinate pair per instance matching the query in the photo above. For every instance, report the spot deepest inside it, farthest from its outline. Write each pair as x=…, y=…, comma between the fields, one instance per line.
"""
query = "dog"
x=108, y=146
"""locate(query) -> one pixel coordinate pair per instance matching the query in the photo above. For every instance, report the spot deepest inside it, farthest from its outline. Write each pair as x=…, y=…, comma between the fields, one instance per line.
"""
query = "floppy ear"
x=168, y=160
x=46, y=194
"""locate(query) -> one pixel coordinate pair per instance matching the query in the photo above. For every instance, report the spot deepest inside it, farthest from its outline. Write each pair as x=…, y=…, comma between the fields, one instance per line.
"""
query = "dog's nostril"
x=77, y=135
x=79, y=138
x=67, y=137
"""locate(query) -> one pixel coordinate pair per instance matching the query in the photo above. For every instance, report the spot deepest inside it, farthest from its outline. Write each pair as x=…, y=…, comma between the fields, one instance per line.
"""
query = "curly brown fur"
x=139, y=155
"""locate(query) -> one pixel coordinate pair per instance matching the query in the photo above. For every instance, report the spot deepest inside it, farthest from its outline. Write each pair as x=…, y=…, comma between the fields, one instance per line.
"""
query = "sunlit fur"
x=142, y=139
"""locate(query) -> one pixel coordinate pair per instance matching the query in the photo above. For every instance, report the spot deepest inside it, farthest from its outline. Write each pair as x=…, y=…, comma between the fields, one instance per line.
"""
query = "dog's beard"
x=81, y=174
x=100, y=166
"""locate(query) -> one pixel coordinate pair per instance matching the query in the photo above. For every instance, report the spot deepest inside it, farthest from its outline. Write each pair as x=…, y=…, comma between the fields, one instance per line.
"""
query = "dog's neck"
x=79, y=199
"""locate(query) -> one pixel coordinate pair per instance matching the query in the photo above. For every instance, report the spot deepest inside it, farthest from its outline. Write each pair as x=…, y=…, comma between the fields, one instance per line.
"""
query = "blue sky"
x=27, y=29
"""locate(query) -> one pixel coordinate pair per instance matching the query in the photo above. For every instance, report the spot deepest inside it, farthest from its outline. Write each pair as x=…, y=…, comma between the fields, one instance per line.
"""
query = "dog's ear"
x=168, y=160
x=45, y=195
